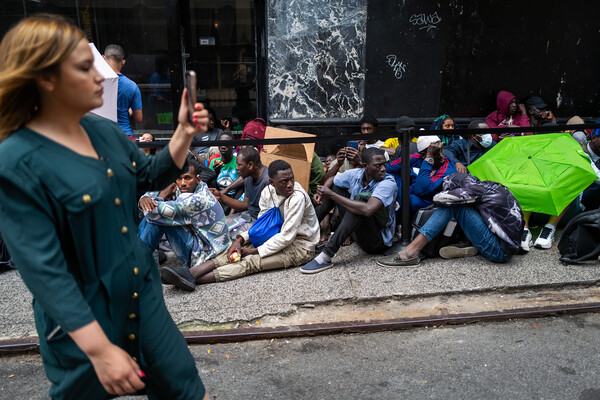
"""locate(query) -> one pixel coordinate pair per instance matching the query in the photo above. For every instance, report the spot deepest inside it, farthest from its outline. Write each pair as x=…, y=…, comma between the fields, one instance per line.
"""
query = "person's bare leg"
x=413, y=249
x=209, y=277
x=526, y=215
x=555, y=219
x=202, y=269
x=325, y=228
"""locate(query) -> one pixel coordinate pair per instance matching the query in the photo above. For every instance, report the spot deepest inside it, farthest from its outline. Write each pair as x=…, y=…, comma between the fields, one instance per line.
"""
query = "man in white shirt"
x=294, y=245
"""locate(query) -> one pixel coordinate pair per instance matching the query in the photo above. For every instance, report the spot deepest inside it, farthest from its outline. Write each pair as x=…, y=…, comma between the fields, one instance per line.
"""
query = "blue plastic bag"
x=266, y=226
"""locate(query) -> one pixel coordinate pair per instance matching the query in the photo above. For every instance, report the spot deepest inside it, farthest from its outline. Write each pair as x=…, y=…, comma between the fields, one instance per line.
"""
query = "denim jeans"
x=181, y=241
x=472, y=225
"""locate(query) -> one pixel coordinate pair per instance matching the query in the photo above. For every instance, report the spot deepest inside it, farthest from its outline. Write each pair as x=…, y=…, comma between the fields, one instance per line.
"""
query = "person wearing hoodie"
x=508, y=115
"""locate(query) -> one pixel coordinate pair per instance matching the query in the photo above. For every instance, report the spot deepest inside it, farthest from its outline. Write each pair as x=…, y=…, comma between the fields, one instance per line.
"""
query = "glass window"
x=140, y=27
x=221, y=49
x=219, y=43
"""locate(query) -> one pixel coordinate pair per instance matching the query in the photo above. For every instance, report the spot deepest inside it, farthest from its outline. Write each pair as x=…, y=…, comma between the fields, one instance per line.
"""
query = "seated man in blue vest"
x=367, y=214
x=190, y=217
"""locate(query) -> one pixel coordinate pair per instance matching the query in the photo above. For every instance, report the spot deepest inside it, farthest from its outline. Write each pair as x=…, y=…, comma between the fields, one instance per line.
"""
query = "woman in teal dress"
x=67, y=205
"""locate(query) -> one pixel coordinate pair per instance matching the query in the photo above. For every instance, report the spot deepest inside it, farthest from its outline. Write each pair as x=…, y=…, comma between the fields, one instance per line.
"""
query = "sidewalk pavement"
x=354, y=278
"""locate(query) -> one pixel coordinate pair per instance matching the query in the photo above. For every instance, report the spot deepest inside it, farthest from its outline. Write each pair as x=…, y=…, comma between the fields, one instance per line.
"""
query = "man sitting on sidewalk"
x=225, y=166
x=292, y=246
x=373, y=232
x=193, y=221
x=487, y=212
x=256, y=178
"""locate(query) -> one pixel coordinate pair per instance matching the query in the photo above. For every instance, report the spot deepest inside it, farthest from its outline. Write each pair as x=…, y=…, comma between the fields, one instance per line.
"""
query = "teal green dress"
x=69, y=223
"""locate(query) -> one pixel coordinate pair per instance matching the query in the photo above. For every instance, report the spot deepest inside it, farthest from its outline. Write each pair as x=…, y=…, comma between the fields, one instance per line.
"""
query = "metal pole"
x=405, y=171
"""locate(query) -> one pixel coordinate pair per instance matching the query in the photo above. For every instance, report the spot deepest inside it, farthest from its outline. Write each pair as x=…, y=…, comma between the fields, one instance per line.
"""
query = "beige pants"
x=293, y=255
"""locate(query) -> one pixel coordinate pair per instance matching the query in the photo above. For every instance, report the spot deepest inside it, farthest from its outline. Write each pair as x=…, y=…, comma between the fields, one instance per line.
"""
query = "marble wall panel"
x=316, y=58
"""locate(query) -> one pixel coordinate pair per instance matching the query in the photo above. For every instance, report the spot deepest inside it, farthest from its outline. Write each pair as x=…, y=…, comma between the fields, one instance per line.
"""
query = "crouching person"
x=487, y=212
x=368, y=214
x=294, y=245
x=192, y=220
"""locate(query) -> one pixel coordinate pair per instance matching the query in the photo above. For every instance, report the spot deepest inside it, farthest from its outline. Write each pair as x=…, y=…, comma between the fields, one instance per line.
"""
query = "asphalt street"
x=545, y=358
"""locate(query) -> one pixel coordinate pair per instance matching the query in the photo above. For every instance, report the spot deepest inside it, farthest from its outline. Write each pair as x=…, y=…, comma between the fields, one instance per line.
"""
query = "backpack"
x=580, y=239
x=255, y=129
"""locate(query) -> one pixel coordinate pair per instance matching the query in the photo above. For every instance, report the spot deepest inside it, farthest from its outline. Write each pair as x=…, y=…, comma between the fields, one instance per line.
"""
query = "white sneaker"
x=544, y=241
x=526, y=240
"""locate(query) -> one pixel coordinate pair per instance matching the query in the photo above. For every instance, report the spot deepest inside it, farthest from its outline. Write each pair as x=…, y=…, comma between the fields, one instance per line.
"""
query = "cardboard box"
x=110, y=86
x=299, y=156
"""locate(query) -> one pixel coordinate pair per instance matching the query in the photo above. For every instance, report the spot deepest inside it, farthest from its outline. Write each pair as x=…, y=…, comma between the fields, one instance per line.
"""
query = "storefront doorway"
x=219, y=39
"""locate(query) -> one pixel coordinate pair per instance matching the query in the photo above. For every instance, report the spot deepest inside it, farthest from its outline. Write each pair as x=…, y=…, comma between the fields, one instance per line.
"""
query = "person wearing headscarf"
x=444, y=122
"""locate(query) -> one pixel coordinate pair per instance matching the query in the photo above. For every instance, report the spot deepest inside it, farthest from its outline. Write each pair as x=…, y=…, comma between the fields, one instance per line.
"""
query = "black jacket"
x=498, y=207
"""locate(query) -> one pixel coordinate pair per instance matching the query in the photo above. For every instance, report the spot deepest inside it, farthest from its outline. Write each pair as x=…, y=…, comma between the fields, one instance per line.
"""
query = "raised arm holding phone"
x=103, y=327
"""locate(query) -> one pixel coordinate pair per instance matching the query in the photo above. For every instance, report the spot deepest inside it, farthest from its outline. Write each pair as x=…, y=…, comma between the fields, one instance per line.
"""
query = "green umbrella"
x=544, y=172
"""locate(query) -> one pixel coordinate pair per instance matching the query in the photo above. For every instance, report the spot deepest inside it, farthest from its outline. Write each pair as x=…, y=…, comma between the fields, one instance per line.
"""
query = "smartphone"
x=352, y=144
x=190, y=84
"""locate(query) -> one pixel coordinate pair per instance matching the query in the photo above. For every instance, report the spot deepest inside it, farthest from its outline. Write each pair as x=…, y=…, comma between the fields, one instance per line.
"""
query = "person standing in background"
x=129, y=98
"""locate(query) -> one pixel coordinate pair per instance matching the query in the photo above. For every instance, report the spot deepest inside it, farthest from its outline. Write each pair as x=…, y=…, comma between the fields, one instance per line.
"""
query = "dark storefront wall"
x=454, y=57
x=216, y=38
x=331, y=63
x=219, y=37
x=323, y=64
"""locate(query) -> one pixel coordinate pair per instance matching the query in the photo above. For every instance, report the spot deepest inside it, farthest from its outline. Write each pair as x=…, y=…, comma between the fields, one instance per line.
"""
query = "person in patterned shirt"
x=190, y=217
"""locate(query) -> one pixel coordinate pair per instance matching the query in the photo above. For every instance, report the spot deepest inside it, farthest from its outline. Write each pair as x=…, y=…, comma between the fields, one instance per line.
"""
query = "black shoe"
x=6, y=266
x=180, y=277
x=162, y=257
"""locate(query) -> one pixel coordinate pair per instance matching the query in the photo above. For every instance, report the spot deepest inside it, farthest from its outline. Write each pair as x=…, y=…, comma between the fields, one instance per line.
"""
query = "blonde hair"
x=35, y=45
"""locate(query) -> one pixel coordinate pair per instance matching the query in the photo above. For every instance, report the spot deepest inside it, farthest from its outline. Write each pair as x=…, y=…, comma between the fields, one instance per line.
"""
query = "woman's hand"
x=199, y=120
x=116, y=370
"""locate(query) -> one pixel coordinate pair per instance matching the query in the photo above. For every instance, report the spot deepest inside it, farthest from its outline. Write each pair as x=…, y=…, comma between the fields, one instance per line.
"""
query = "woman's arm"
x=31, y=238
x=117, y=372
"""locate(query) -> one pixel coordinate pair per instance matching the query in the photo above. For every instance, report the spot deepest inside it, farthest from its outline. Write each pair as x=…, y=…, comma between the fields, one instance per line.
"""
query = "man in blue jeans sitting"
x=468, y=219
x=193, y=220
x=487, y=212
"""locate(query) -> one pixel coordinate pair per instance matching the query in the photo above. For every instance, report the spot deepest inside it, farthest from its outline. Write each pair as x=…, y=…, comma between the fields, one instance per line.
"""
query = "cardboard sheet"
x=299, y=156
x=110, y=86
